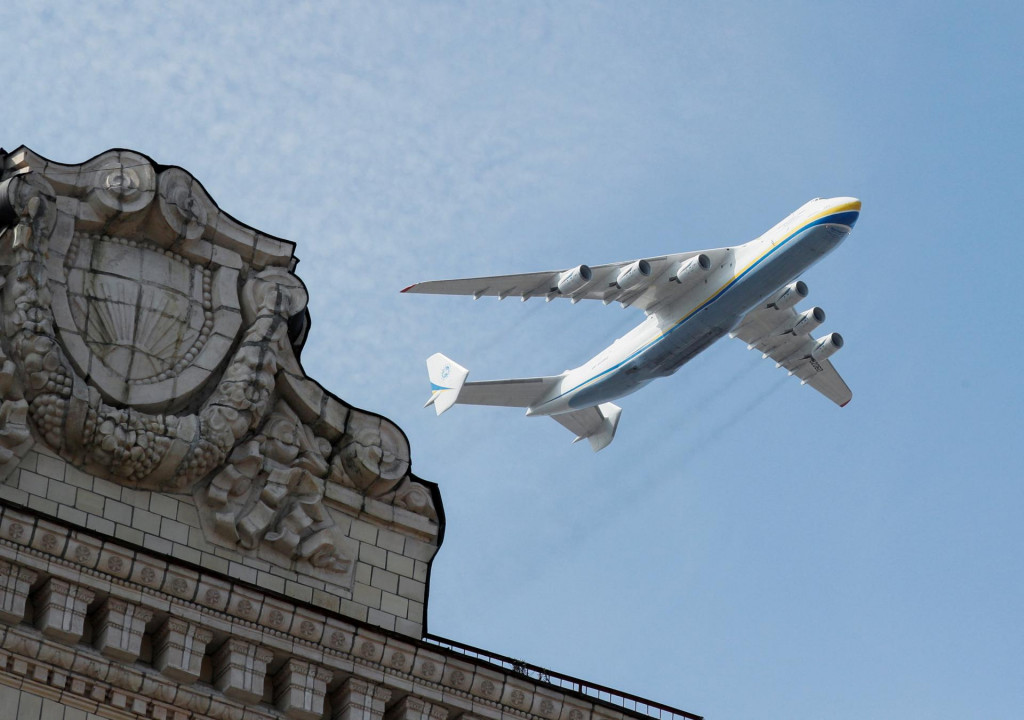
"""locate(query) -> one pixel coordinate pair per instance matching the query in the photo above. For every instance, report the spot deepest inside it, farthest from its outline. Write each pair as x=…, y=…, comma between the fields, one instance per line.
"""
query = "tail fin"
x=446, y=379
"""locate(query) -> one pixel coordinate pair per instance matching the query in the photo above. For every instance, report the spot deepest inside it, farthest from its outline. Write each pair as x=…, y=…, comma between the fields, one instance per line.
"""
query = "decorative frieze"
x=518, y=694
x=178, y=649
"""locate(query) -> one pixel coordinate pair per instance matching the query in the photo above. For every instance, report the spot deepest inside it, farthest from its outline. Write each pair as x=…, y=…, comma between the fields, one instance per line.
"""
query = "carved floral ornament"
x=145, y=339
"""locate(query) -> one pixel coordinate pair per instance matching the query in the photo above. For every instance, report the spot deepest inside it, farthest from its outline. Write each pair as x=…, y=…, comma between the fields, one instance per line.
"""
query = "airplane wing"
x=783, y=334
x=639, y=283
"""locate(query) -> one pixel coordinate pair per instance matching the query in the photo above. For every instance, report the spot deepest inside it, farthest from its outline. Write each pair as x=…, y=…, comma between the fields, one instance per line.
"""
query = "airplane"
x=691, y=299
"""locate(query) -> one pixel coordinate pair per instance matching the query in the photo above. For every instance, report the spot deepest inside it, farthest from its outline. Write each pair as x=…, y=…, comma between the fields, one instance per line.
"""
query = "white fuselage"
x=742, y=277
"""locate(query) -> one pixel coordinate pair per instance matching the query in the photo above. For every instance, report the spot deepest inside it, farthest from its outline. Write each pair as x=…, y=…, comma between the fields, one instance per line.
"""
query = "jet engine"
x=808, y=320
x=572, y=281
x=827, y=346
x=788, y=296
x=633, y=274
x=692, y=270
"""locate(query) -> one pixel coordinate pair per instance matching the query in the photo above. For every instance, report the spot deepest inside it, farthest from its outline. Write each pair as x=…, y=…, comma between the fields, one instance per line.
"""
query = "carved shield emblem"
x=146, y=325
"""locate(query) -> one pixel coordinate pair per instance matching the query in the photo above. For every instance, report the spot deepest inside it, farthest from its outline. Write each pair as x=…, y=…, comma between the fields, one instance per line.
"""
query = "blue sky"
x=744, y=548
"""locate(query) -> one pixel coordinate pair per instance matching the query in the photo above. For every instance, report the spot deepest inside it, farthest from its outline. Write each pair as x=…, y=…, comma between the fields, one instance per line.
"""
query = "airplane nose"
x=848, y=210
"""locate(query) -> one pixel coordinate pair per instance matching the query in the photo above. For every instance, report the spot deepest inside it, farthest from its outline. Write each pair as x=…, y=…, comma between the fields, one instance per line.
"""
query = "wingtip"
x=409, y=288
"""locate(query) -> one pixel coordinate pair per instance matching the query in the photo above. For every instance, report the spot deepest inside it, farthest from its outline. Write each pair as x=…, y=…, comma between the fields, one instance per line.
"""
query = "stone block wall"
x=388, y=586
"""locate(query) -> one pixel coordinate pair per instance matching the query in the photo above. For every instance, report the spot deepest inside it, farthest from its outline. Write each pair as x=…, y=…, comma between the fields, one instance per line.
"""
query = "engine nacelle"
x=633, y=274
x=788, y=296
x=572, y=281
x=827, y=346
x=808, y=320
x=691, y=271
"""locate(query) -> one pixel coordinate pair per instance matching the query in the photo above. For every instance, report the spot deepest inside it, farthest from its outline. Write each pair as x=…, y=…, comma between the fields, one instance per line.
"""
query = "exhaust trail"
x=723, y=427
x=501, y=333
x=653, y=477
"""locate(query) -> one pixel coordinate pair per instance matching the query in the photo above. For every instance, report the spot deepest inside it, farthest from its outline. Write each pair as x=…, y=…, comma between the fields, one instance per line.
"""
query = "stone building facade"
x=190, y=527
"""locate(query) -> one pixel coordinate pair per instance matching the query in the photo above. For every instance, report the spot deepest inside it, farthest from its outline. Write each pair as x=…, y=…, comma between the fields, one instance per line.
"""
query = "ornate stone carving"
x=271, y=492
x=150, y=339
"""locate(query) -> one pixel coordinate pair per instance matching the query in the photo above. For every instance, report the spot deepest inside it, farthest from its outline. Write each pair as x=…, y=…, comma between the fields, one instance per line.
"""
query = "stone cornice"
x=325, y=647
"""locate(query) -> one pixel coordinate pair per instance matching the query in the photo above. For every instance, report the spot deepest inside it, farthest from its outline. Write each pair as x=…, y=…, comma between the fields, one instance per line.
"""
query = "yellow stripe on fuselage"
x=846, y=207
x=850, y=206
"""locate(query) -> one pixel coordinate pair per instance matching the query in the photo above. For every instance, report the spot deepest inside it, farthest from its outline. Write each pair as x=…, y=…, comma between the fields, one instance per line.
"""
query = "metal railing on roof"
x=624, y=700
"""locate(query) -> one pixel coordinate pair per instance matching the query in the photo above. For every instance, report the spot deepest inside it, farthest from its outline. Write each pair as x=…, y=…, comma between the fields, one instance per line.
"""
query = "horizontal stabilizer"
x=596, y=424
x=515, y=392
x=448, y=386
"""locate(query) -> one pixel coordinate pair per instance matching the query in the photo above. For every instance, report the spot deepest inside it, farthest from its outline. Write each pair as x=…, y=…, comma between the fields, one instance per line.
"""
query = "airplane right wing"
x=783, y=334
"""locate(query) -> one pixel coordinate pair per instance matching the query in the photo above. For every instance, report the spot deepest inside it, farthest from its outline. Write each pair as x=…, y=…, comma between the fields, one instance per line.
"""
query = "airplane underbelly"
x=782, y=268
x=694, y=334
x=660, y=359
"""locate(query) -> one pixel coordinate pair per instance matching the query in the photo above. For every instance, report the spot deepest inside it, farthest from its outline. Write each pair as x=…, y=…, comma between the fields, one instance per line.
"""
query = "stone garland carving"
x=265, y=470
x=129, y=445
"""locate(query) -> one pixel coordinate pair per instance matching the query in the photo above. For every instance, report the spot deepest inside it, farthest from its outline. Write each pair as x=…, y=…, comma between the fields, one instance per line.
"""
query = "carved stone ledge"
x=414, y=708
x=360, y=700
x=240, y=670
x=15, y=583
x=119, y=629
x=369, y=665
x=84, y=680
x=299, y=689
x=178, y=650
x=60, y=610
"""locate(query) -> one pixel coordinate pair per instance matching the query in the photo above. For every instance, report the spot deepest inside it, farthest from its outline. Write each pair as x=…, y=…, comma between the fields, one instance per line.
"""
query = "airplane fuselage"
x=742, y=277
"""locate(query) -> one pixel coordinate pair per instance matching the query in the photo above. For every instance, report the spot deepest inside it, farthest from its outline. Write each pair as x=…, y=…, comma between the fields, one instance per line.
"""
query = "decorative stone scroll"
x=150, y=339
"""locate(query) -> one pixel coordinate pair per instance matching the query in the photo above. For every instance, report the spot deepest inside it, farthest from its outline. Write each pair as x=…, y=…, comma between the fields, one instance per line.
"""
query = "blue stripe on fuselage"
x=846, y=218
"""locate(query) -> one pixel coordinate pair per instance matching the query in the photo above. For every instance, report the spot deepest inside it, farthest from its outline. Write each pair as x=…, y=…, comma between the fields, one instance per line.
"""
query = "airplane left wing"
x=782, y=333
x=640, y=283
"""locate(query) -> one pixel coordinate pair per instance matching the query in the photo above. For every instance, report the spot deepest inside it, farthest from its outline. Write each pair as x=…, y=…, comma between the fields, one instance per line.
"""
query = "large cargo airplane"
x=691, y=299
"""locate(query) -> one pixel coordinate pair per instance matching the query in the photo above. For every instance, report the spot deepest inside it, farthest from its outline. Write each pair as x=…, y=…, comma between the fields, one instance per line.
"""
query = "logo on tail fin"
x=446, y=379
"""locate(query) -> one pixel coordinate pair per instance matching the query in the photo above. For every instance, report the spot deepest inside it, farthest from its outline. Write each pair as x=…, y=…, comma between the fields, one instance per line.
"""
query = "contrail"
x=721, y=428
x=618, y=505
x=503, y=332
